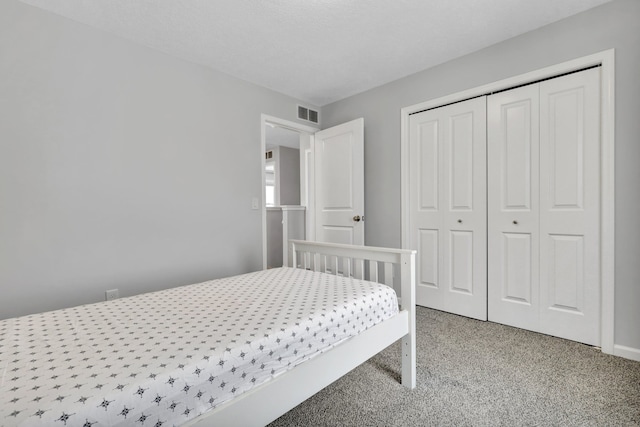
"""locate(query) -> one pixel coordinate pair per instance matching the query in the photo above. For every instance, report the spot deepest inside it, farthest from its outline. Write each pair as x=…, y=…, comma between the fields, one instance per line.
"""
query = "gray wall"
x=120, y=167
x=274, y=237
x=614, y=25
x=289, y=179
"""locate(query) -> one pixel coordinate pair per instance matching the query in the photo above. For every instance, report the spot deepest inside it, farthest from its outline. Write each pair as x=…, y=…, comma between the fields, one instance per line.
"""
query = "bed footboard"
x=266, y=402
x=381, y=265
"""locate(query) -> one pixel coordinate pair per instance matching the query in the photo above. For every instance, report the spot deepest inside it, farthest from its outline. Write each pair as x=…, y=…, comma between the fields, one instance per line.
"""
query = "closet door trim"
x=605, y=59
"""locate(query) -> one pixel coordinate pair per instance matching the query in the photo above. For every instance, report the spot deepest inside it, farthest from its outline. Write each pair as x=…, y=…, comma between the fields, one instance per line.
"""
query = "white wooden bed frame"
x=270, y=400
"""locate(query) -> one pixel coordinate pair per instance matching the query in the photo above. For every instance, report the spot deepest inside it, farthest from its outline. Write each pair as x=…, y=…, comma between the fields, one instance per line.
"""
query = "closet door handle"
x=459, y=221
x=356, y=218
x=515, y=222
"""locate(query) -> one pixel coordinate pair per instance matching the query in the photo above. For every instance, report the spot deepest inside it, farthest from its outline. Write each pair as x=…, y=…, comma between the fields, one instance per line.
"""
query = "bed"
x=234, y=351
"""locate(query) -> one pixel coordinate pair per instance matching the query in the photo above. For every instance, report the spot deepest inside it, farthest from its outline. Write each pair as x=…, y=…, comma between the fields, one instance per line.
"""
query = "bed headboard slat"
x=372, y=263
x=373, y=271
x=388, y=274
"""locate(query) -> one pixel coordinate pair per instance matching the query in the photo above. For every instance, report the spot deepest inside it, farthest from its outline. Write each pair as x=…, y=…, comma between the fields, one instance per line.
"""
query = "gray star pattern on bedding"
x=166, y=357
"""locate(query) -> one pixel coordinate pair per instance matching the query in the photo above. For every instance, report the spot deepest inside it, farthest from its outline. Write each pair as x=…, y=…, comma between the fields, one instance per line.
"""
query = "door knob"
x=356, y=218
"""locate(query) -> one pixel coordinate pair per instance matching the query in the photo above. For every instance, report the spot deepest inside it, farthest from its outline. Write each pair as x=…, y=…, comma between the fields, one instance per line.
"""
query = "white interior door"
x=448, y=207
x=339, y=183
x=543, y=206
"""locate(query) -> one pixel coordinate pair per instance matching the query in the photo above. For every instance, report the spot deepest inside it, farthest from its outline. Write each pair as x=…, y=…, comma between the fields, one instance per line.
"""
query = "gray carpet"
x=473, y=373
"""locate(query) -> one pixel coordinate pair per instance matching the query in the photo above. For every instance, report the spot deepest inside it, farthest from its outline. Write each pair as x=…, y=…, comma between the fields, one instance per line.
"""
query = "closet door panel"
x=512, y=182
x=464, y=216
x=460, y=158
x=448, y=206
x=517, y=155
x=516, y=268
x=461, y=264
x=565, y=263
x=428, y=265
x=426, y=215
x=427, y=148
x=570, y=206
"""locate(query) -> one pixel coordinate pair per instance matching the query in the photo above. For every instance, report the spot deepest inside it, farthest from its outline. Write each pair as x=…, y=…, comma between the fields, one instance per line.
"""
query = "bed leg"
x=409, y=362
x=408, y=297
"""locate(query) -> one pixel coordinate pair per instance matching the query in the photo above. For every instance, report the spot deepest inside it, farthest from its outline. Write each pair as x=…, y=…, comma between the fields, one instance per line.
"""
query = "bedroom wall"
x=120, y=166
x=613, y=25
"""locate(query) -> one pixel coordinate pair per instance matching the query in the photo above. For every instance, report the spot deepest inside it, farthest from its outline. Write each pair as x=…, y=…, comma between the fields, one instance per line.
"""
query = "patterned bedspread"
x=163, y=358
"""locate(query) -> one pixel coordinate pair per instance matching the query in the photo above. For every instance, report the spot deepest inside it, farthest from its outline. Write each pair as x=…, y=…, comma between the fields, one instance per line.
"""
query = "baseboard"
x=626, y=352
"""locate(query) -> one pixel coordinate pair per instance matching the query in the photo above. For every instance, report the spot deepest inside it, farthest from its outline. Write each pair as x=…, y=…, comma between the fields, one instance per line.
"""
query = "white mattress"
x=163, y=358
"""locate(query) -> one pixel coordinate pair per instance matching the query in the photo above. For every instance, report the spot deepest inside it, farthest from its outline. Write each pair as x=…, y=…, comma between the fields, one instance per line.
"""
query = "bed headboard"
x=366, y=262
x=379, y=265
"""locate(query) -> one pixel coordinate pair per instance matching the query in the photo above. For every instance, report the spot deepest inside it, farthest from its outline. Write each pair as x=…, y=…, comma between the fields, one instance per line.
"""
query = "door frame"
x=266, y=120
x=605, y=59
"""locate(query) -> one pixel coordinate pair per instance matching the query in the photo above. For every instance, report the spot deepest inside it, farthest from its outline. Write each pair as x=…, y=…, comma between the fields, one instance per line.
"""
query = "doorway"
x=331, y=182
x=288, y=185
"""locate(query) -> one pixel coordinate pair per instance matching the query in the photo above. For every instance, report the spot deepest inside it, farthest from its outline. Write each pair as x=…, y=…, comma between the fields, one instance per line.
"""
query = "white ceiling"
x=318, y=51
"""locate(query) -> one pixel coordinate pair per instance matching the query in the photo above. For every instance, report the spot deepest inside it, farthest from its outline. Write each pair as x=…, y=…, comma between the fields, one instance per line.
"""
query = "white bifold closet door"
x=448, y=207
x=544, y=205
x=513, y=206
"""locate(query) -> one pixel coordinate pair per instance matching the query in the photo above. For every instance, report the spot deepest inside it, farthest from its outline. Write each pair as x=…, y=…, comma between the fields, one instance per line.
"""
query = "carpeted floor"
x=473, y=373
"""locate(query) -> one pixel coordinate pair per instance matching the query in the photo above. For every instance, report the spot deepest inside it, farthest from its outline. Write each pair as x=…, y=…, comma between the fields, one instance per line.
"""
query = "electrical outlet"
x=111, y=294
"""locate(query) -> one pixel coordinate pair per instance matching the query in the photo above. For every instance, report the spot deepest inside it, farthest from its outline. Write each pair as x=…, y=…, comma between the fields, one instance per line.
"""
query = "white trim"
x=607, y=257
x=264, y=119
x=607, y=198
x=627, y=352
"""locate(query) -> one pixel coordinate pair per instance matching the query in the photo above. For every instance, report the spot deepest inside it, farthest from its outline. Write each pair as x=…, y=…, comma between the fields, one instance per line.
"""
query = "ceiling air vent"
x=307, y=114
